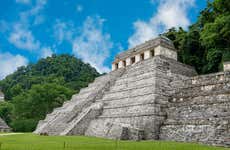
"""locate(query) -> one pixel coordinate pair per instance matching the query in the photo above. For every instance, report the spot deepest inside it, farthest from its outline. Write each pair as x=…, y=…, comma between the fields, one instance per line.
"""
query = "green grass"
x=35, y=142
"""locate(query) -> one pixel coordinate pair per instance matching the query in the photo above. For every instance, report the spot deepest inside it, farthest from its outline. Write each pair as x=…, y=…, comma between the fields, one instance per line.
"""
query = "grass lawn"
x=30, y=141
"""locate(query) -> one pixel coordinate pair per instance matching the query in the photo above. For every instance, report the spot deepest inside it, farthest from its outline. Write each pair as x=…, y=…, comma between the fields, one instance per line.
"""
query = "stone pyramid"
x=148, y=95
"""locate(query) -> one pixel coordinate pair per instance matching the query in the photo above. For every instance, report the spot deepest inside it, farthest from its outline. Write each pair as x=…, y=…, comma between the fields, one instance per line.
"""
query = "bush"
x=6, y=109
x=26, y=125
x=226, y=56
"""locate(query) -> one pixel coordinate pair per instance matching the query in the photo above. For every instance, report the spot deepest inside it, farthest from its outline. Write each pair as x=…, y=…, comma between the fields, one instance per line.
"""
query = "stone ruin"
x=1, y=96
x=148, y=95
x=3, y=126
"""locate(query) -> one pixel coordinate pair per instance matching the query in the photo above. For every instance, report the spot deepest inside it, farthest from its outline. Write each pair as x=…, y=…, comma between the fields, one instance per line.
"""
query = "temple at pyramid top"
x=158, y=46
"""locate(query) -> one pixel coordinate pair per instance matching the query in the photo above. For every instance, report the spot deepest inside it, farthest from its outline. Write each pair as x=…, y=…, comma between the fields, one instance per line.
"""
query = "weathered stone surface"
x=227, y=66
x=3, y=126
x=199, y=110
x=79, y=109
x=156, y=98
x=1, y=96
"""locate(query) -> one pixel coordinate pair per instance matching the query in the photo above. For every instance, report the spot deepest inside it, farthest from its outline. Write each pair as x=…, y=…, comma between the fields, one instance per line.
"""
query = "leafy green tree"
x=61, y=69
x=33, y=105
x=35, y=90
x=6, y=111
x=207, y=42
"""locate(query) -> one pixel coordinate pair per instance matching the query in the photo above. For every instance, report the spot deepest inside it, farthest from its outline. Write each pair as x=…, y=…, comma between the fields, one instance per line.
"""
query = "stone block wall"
x=157, y=98
x=199, y=110
x=138, y=97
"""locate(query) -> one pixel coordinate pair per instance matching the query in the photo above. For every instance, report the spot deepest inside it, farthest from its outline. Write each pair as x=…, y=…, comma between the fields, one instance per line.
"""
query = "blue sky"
x=93, y=30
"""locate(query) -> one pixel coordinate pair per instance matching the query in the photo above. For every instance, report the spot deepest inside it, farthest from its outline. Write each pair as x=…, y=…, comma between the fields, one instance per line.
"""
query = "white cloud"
x=63, y=31
x=79, y=8
x=9, y=63
x=33, y=14
x=93, y=45
x=46, y=52
x=170, y=13
x=22, y=38
x=23, y=1
x=143, y=31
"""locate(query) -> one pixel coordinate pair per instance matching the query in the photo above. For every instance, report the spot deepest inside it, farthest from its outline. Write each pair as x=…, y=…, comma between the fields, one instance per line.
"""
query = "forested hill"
x=64, y=70
x=34, y=90
x=206, y=44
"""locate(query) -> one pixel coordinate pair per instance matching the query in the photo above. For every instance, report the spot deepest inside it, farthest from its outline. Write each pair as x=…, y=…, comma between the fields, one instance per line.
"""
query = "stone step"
x=202, y=90
x=135, y=78
x=144, y=99
x=130, y=115
x=202, y=80
x=200, y=100
x=137, y=73
x=135, y=109
x=198, y=121
x=88, y=89
x=129, y=97
x=59, y=119
x=135, y=91
x=94, y=85
x=161, y=84
x=129, y=93
x=202, y=110
x=101, y=126
x=201, y=85
x=61, y=116
x=140, y=65
x=118, y=131
x=131, y=86
x=79, y=124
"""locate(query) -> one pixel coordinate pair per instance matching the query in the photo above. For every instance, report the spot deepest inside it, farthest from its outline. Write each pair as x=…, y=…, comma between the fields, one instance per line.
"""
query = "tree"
x=40, y=100
x=6, y=111
x=207, y=42
x=63, y=69
x=35, y=90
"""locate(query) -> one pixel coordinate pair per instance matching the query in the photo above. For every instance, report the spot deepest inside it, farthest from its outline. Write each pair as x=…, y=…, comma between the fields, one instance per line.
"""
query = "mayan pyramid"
x=148, y=95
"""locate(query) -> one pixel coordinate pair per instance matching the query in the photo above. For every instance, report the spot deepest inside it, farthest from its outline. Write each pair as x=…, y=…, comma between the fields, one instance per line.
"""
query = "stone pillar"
x=114, y=67
x=147, y=54
x=120, y=64
x=226, y=66
x=128, y=61
x=137, y=58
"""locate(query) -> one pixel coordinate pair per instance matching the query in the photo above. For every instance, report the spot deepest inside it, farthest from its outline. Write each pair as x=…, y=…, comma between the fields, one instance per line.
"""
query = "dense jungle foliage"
x=33, y=91
x=206, y=44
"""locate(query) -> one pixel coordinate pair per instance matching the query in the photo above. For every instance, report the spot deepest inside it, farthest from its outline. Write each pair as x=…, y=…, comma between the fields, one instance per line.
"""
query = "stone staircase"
x=136, y=101
x=124, y=104
x=78, y=125
x=72, y=112
x=3, y=126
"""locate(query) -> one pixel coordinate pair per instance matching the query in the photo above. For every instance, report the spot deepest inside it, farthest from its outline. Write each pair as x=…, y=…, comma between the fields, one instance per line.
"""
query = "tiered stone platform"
x=148, y=97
